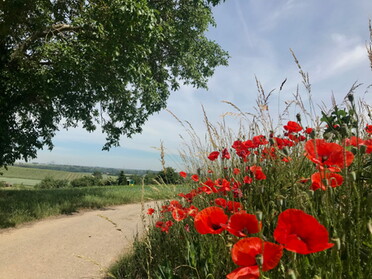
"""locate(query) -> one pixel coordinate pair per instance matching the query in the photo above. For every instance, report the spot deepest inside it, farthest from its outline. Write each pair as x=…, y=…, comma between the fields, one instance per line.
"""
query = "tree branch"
x=53, y=30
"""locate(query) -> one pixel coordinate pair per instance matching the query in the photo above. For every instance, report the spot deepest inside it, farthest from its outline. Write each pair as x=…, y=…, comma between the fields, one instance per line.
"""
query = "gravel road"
x=79, y=246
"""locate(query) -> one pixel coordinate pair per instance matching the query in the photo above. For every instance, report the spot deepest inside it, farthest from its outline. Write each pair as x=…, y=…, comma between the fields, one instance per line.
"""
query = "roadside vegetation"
x=18, y=206
x=290, y=199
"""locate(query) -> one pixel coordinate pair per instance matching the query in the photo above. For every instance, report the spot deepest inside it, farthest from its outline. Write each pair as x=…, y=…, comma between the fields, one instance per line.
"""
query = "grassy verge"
x=23, y=205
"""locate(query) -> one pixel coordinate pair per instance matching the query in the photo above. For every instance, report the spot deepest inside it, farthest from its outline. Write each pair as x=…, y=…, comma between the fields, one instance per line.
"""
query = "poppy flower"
x=221, y=202
x=300, y=232
x=225, y=154
x=234, y=206
x=236, y=171
x=247, y=180
x=257, y=172
x=320, y=180
x=259, y=140
x=192, y=211
x=150, y=211
x=354, y=141
x=328, y=154
x=309, y=130
x=210, y=220
x=213, y=155
x=245, y=252
x=183, y=174
x=195, y=177
x=368, y=129
x=368, y=143
x=241, y=224
x=292, y=127
x=179, y=214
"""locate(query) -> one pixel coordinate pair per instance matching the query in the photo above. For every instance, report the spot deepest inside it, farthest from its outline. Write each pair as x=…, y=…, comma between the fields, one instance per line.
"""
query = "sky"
x=328, y=38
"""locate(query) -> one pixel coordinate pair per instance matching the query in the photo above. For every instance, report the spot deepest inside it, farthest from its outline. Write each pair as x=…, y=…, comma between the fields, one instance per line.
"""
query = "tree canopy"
x=107, y=63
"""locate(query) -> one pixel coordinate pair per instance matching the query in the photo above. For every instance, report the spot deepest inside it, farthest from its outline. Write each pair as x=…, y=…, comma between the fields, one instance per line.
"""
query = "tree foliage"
x=110, y=63
x=169, y=176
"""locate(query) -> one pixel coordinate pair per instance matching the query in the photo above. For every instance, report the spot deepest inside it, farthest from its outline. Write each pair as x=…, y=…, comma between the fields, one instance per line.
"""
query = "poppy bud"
x=259, y=260
x=259, y=215
x=291, y=274
x=370, y=226
x=298, y=117
x=353, y=175
x=350, y=97
x=354, y=150
x=285, y=150
x=362, y=148
x=337, y=241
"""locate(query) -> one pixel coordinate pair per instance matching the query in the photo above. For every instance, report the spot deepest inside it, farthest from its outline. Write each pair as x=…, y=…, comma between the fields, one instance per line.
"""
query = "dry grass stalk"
x=369, y=47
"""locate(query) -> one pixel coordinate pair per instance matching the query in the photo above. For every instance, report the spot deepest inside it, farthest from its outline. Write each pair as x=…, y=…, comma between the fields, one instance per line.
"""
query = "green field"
x=32, y=176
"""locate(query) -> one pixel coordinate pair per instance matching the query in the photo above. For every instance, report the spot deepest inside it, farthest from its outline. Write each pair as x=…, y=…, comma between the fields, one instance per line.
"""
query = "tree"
x=122, y=179
x=97, y=174
x=169, y=176
x=110, y=63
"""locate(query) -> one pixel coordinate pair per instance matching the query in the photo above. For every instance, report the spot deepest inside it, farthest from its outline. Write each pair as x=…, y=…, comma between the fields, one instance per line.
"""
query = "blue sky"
x=328, y=37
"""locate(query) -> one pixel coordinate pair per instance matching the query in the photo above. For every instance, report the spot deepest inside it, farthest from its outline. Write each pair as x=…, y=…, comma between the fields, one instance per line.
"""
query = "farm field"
x=32, y=176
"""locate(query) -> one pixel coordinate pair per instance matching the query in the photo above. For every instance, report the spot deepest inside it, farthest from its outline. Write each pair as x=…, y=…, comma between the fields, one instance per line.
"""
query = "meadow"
x=18, y=206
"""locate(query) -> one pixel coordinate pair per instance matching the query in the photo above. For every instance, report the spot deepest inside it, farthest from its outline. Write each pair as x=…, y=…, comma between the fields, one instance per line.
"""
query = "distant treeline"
x=73, y=168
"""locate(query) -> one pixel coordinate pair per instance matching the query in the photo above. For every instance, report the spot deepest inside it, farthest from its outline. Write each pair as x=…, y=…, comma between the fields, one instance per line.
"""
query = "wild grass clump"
x=291, y=200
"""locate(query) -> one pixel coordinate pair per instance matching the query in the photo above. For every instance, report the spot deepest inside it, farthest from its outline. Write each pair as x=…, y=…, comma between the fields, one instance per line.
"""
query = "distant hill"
x=83, y=169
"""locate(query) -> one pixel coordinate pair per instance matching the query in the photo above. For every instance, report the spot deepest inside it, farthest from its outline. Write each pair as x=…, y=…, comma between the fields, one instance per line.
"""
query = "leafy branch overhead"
x=111, y=63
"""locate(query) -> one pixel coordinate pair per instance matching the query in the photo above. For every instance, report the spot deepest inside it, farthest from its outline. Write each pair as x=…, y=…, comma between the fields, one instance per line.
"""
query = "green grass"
x=18, y=206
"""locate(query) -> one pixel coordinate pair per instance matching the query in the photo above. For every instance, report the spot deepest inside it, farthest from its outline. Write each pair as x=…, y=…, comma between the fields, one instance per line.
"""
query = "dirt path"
x=80, y=246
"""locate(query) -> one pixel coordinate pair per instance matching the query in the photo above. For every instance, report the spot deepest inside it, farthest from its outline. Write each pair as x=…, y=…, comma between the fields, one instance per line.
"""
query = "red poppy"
x=245, y=252
x=247, y=180
x=368, y=129
x=259, y=140
x=320, y=180
x=221, y=202
x=258, y=173
x=195, y=177
x=241, y=224
x=150, y=211
x=192, y=211
x=213, y=155
x=179, y=214
x=247, y=272
x=292, y=127
x=225, y=154
x=328, y=154
x=301, y=233
x=210, y=220
x=309, y=130
x=236, y=171
x=183, y=174
x=354, y=141
x=368, y=143
x=234, y=206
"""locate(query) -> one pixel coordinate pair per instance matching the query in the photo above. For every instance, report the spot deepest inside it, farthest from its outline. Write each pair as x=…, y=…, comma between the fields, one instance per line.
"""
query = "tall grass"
x=24, y=205
x=181, y=251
